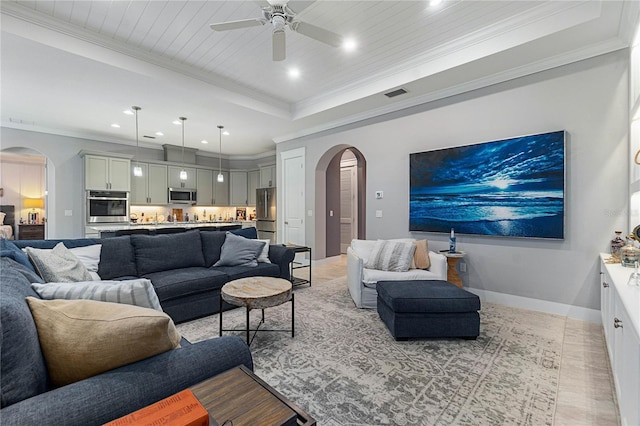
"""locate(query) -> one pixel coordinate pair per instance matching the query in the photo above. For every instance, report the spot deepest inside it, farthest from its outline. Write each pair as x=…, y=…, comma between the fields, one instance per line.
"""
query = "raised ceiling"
x=72, y=67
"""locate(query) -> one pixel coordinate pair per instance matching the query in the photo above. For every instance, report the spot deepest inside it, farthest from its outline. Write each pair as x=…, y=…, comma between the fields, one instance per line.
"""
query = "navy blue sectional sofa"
x=180, y=266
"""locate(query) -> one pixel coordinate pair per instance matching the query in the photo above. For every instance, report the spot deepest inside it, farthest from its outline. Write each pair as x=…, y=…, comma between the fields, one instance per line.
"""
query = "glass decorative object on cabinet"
x=616, y=244
x=629, y=254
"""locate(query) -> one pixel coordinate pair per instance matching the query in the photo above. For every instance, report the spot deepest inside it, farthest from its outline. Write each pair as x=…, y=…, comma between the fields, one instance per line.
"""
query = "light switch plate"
x=379, y=195
x=378, y=213
x=68, y=212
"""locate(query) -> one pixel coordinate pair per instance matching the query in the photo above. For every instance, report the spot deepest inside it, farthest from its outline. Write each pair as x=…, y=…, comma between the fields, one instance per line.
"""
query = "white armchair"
x=362, y=281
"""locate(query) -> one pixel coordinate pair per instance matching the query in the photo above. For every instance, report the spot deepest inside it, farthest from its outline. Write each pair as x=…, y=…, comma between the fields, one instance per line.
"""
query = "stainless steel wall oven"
x=107, y=206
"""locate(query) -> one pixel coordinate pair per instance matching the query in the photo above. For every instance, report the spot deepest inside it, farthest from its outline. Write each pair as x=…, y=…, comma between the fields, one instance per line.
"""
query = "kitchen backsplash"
x=143, y=214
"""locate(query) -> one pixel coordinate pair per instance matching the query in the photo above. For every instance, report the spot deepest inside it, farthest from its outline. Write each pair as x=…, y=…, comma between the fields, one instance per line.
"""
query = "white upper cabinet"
x=253, y=182
x=151, y=187
x=238, y=187
x=267, y=176
x=106, y=173
x=176, y=182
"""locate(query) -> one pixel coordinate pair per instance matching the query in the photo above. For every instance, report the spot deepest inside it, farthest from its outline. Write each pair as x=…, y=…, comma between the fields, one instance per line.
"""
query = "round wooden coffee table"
x=257, y=293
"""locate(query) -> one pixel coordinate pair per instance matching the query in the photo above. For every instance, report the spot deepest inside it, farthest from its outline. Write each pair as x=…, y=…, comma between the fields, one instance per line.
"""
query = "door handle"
x=286, y=223
x=617, y=323
x=605, y=284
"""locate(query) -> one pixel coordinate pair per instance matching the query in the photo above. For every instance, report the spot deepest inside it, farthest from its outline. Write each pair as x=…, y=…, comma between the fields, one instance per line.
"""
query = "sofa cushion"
x=137, y=292
x=391, y=256
x=262, y=270
x=10, y=250
x=90, y=258
x=251, y=233
x=58, y=264
x=155, y=253
x=435, y=296
x=178, y=283
x=82, y=338
x=238, y=250
x=23, y=370
x=372, y=276
x=212, y=246
x=117, y=258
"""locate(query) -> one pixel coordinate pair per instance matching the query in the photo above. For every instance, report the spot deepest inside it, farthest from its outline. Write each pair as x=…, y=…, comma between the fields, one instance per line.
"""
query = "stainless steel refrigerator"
x=266, y=213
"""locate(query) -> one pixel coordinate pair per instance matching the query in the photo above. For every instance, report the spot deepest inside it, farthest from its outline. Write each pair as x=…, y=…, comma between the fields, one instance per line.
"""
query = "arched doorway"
x=340, y=199
x=23, y=185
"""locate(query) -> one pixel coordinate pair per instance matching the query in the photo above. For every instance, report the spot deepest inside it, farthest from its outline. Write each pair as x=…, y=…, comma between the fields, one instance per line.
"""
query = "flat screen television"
x=512, y=187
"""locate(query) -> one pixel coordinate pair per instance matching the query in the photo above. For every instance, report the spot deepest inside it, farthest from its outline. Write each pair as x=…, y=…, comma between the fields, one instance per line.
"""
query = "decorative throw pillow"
x=137, y=292
x=238, y=250
x=263, y=257
x=391, y=256
x=90, y=258
x=421, y=255
x=58, y=264
x=82, y=338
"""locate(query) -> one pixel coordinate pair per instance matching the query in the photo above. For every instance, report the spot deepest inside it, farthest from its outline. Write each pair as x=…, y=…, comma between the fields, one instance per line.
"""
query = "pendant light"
x=183, y=172
x=220, y=176
x=137, y=170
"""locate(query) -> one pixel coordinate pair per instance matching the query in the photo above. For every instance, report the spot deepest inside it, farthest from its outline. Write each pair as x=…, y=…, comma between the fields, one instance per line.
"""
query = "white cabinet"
x=221, y=190
x=151, y=187
x=253, y=182
x=238, y=188
x=204, y=187
x=267, y=176
x=176, y=182
x=621, y=320
x=106, y=173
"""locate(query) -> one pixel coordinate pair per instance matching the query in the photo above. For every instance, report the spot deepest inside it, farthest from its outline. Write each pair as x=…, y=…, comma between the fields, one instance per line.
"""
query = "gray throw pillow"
x=58, y=265
x=238, y=250
x=393, y=256
x=137, y=292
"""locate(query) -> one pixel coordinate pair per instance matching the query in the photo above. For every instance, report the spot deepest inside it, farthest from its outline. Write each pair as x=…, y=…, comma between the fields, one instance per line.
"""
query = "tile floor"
x=585, y=392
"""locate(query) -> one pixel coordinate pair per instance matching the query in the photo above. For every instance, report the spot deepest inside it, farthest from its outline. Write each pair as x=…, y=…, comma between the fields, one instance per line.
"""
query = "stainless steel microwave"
x=107, y=206
x=182, y=196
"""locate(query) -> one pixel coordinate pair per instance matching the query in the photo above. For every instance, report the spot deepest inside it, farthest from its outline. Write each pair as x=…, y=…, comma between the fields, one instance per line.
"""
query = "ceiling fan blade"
x=234, y=25
x=279, y=46
x=297, y=6
x=317, y=33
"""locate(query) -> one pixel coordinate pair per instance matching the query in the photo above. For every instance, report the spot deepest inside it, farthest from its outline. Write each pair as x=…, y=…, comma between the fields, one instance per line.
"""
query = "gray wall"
x=588, y=99
x=65, y=172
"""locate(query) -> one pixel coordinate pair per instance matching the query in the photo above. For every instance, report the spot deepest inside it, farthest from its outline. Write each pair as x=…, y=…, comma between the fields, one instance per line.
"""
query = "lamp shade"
x=33, y=203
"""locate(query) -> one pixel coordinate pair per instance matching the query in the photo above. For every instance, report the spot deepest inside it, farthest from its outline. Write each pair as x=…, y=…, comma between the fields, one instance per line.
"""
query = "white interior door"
x=293, y=205
x=348, y=206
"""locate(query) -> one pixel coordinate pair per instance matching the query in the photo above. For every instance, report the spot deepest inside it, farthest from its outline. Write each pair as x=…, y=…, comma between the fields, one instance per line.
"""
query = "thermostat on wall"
x=379, y=195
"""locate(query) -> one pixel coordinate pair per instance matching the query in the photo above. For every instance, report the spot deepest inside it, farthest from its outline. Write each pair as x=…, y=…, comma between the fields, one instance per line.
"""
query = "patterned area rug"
x=344, y=368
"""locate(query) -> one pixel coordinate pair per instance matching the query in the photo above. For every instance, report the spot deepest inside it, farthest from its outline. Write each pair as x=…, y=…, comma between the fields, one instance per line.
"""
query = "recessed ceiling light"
x=128, y=112
x=159, y=134
x=435, y=2
x=116, y=125
x=294, y=72
x=226, y=133
x=349, y=45
x=176, y=122
x=203, y=141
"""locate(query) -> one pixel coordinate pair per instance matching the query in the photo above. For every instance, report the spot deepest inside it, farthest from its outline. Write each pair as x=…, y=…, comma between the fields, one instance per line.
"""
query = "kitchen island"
x=113, y=229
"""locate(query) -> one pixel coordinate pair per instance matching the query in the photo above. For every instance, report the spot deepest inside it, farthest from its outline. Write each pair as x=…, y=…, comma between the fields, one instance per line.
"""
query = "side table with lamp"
x=33, y=229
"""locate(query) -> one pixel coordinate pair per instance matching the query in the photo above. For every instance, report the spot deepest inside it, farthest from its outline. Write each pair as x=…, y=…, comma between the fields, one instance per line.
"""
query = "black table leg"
x=292, y=316
x=248, y=341
x=220, y=314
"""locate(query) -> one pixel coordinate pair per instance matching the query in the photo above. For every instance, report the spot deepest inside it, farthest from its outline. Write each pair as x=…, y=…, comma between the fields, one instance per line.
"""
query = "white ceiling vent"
x=395, y=93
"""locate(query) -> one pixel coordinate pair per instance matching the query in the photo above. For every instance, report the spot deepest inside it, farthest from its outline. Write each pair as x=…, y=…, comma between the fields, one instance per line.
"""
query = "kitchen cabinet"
x=106, y=173
x=176, y=182
x=253, y=182
x=221, y=190
x=620, y=309
x=151, y=187
x=204, y=187
x=267, y=176
x=238, y=188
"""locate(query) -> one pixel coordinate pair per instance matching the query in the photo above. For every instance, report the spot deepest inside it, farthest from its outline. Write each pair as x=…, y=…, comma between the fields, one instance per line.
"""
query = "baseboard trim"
x=570, y=311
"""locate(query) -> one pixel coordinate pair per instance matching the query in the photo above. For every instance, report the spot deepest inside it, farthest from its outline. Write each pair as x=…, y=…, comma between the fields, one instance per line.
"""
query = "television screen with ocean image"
x=513, y=187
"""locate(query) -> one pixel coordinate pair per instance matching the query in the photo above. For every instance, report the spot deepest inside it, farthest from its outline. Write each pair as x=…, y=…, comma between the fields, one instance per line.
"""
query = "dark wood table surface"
x=241, y=397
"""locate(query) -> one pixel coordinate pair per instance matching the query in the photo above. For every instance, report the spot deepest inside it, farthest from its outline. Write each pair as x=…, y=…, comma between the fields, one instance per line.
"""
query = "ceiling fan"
x=281, y=16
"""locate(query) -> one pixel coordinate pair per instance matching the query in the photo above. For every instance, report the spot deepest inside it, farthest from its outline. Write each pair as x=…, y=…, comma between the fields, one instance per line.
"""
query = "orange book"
x=181, y=409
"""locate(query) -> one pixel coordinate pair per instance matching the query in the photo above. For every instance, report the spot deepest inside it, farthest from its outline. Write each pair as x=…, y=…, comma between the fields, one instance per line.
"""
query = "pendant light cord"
x=220, y=149
x=136, y=109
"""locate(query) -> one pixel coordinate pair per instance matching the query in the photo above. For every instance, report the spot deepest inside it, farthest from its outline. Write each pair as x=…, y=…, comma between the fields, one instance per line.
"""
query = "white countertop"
x=109, y=227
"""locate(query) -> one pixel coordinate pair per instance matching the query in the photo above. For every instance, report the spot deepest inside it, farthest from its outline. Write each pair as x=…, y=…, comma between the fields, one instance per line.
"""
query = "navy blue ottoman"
x=418, y=309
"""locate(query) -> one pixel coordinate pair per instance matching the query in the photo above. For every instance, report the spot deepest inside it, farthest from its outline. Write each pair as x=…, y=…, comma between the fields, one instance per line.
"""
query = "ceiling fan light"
x=220, y=177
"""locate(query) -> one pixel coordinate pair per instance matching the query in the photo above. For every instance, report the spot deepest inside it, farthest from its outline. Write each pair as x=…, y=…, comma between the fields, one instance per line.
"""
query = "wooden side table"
x=241, y=397
x=452, y=272
x=30, y=232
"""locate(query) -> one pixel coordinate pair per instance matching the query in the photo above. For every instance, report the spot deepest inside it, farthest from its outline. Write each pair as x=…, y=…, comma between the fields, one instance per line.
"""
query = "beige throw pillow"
x=421, y=255
x=82, y=338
